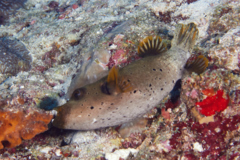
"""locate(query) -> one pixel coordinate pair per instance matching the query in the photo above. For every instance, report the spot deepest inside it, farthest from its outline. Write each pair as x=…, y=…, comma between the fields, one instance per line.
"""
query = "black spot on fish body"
x=91, y=107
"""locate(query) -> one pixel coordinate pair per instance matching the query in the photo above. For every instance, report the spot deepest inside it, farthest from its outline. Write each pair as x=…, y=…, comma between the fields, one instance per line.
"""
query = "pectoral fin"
x=151, y=46
x=115, y=84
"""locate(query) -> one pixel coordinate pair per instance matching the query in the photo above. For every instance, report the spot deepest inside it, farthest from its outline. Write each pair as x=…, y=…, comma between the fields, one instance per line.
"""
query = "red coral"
x=21, y=125
x=212, y=104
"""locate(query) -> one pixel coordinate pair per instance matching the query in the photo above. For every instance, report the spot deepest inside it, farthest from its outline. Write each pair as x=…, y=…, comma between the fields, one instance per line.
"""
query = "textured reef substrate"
x=55, y=46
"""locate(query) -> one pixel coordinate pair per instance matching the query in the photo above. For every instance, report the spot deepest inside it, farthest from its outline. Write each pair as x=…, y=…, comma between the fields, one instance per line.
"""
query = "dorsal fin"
x=114, y=84
x=185, y=36
x=151, y=46
x=198, y=65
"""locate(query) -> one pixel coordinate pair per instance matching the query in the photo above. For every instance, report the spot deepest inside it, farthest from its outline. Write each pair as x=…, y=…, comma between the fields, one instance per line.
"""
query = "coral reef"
x=14, y=56
x=68, y=37
x=19, y=125
x=224, y=18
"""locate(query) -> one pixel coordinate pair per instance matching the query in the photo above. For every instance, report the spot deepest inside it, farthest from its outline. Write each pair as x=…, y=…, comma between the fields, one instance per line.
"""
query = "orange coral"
x=17, y=126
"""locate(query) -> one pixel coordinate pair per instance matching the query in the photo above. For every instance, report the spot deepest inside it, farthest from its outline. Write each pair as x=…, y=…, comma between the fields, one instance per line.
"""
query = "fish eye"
x=78, y=93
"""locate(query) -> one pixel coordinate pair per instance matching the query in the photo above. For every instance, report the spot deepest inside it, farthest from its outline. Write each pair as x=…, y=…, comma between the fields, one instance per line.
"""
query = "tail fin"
x=185, y=36
x=198, y=65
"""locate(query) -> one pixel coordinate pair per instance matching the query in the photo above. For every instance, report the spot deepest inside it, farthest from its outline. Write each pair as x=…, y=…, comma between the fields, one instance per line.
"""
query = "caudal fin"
x=198, y=65
x=185, y=36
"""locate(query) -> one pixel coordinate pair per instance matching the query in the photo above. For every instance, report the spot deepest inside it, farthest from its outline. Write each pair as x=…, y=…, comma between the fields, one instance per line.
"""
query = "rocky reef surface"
x=48, y=48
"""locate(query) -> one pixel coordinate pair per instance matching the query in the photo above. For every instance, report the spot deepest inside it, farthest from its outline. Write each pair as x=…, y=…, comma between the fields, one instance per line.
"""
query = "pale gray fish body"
x=151, y=78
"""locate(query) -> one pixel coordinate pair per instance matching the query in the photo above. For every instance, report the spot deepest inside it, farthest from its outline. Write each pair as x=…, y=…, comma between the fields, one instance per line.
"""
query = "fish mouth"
x=60, y=119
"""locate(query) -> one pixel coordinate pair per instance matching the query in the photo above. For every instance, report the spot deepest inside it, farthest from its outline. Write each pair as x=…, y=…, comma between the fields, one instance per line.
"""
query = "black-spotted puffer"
x=132, y=91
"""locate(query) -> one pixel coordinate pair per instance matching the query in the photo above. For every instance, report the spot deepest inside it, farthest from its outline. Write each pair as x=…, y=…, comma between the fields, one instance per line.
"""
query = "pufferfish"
x=130, y=92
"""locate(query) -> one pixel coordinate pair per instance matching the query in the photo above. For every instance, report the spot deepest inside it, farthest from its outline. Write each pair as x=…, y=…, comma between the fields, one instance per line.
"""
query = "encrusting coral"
x=14, y=56
x=212, y=104
x=9, y=7
x=21, y=125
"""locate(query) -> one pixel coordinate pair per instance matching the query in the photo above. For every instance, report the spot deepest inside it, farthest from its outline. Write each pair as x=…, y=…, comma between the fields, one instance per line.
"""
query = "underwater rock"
x=8, y=7
x=14, y=56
